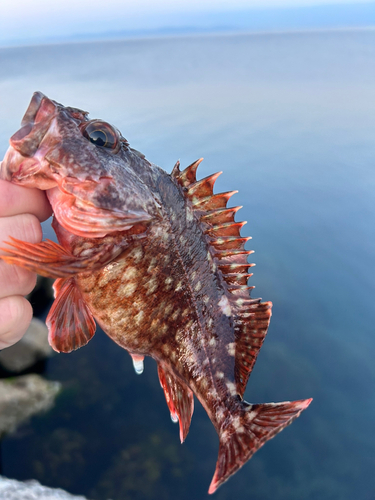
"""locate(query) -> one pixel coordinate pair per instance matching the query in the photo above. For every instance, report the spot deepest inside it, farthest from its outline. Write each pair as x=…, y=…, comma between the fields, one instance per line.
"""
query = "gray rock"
x=31, y=348
x=10, y=489
x=22, y=397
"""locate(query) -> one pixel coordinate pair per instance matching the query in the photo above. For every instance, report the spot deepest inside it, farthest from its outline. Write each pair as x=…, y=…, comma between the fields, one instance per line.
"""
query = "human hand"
x=21, y=212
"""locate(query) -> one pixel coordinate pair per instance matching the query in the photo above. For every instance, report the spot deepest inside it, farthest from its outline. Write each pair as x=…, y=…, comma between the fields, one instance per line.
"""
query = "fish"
x=158, y=261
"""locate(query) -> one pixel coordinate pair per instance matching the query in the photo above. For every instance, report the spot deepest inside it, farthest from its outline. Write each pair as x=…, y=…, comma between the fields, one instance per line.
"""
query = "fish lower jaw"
x=25, y=171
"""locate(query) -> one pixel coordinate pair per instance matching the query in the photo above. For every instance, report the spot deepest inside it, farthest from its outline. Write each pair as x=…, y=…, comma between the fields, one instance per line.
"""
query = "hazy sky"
x=11, y=9
x=25, y=20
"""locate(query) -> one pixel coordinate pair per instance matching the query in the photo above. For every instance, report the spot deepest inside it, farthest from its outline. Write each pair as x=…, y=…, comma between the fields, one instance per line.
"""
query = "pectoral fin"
x=51, y=259
x=70, y=322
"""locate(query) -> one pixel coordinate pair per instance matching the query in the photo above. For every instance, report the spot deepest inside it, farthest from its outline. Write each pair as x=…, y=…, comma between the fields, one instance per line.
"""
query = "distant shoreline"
x=179, y=33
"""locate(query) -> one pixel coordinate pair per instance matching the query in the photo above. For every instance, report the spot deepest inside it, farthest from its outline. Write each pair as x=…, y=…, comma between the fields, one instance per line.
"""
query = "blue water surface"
x=290, y=120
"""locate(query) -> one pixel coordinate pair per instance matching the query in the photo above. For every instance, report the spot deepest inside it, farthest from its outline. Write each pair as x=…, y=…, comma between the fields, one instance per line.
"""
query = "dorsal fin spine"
x=203, y=187
x=188, y=176
x=227, y=229
x=219, y=200
x=229, y=242
x=220, y=215
x=176, y=169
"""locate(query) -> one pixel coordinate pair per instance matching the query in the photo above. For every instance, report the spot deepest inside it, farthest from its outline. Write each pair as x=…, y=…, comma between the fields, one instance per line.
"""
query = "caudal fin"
x=249, y=429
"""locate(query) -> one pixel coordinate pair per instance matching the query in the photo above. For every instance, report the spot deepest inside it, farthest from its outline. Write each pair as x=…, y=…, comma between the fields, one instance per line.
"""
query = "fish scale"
x=158, y=261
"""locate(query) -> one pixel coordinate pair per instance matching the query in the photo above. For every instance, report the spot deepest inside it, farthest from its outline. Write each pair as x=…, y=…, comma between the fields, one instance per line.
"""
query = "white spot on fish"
x=168, y=310
x=138, y=317
x=232, y=388
x=137, y=254
x=212, y=342
x=178, y=287
x=164, y=328
x=152, y=264
x=203, y=383
x=151, y=285
x=168, y=283
x=127, y=289
x=236, y=422
x=185, y=312
x=231, y=349
x=251, y=414
x=86, y=252
x=224, y=437
x=219, y=414
x=129, y=274
x=198, y=286
x=219, y=374
x=175, y=314
x=225, y=306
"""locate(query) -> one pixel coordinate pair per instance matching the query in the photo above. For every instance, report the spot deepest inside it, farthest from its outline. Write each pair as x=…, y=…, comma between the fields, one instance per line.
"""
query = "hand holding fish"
x=21, y=211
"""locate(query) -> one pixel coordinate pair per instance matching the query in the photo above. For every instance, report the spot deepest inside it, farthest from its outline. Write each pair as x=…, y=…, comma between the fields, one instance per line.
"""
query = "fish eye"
x=101, y=134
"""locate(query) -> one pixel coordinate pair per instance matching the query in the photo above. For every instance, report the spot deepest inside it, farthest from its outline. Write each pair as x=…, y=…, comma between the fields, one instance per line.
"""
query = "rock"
x=10, y=489
x=32, y=348
x=22, y=397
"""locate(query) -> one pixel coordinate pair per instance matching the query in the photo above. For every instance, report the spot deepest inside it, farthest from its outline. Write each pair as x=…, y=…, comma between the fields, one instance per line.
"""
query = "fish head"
x=86, y=166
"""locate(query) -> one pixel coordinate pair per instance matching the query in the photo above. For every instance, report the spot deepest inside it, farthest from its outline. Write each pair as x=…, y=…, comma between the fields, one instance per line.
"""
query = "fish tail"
x=248, y=429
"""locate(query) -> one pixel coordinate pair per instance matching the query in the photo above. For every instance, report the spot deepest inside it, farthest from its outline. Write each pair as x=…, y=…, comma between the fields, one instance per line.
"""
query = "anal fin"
x=70, y=322
x=179, y=398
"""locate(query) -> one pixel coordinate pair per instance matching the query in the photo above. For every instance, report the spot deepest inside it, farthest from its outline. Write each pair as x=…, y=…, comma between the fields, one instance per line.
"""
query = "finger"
x=19, y=200
x=15, y=316
x=15, y=280
x=25, y=227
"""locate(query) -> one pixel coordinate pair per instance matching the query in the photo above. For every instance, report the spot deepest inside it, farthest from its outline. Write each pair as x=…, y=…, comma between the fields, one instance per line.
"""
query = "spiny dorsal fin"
x=227, y=247
x=187, y=176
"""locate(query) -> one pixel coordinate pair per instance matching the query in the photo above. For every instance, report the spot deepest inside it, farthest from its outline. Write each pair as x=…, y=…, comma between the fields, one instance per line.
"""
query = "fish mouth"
x=32, y=110
x=24, y=162
x=34, y=125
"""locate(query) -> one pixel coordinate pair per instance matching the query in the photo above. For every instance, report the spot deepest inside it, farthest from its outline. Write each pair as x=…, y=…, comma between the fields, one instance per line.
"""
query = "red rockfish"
x=158, y=261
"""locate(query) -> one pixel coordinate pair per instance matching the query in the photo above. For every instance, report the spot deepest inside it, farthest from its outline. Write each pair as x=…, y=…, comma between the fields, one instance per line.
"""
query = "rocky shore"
x=10, y=489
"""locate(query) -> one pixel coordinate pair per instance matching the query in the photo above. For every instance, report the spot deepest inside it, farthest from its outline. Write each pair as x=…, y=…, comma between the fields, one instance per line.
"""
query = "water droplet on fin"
x=174, y=418
x=138, y=364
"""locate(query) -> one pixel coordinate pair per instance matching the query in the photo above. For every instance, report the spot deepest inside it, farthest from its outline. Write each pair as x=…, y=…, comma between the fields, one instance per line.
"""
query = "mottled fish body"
x=158, y=261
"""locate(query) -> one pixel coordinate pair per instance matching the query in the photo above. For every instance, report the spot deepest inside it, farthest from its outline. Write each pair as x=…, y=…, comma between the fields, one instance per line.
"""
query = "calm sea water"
x=290, y=119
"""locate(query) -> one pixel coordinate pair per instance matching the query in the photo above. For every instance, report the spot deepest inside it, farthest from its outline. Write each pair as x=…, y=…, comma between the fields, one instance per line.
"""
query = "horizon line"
x=153, y=34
